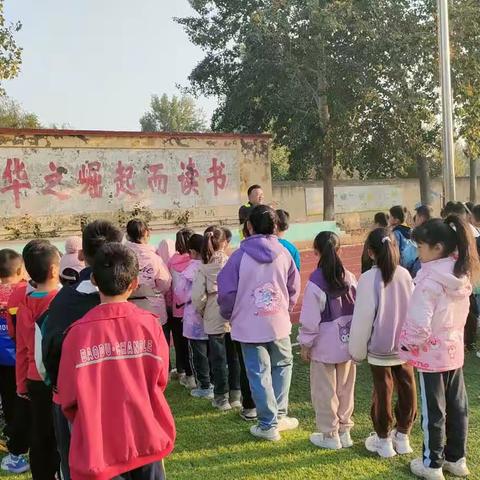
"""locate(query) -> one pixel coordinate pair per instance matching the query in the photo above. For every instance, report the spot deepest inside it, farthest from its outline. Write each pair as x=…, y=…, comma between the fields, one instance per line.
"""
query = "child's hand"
x=305, y=354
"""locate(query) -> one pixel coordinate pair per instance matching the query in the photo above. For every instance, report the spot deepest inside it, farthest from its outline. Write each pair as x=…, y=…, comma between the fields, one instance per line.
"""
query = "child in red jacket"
x=42, y=262
x=113, y=373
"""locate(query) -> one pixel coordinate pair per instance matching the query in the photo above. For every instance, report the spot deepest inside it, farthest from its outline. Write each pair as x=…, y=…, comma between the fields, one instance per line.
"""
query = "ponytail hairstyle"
x=454, y=235
x=398, y=212
x=327, y=245
x=181, y=241
x=263, y=220
x=213, y=240
x=385, y=250
x=137, y=230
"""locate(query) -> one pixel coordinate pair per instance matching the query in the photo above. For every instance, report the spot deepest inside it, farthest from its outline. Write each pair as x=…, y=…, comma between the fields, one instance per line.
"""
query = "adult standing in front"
x=255, y=197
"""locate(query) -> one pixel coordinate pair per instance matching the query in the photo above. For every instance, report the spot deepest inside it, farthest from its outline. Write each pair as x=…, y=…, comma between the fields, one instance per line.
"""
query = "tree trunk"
x=328, y=187
x=473, y=179
x=424, y=179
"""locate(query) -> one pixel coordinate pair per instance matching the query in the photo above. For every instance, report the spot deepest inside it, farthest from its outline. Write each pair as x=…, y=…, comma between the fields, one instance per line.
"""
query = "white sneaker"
x=15, y=464
x=287, y=423
x=420, y=470
x=401, y=443
x=237, y=404
x=458, y=468
x=221, y=404
x=346, y=440
x=321, y=440
x=188, y=381
x=382, y=446
x=272, y=434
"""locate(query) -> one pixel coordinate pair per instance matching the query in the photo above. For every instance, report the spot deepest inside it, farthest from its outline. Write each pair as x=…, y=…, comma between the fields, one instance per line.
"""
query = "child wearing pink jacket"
x=432, y=341
x=153, y=272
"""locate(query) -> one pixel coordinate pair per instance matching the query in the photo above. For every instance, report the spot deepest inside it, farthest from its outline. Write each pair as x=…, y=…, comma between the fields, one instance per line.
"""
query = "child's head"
x=228, y=234
x=11, y=266
x=181, y=241
x=380, y=220
x=440, y=238
x=195, y=243
x=476, y=215
x=115, y=271
x=283, y=222
x=73, y=244
x=95, y=235
x=326, y=246
x=42, y=262
x=214, y=240
x=255, y=195
x=423, y=213
x=454, y=208
x=383, y=250
x=138, y=231
x=397, y=215
x=262, y=221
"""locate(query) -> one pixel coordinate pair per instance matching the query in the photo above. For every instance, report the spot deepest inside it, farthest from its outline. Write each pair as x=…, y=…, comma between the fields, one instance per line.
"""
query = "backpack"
x=408, y=251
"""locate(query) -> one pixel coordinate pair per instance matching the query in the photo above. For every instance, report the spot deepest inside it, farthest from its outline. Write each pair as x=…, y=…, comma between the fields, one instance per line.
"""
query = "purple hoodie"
x=257, y=289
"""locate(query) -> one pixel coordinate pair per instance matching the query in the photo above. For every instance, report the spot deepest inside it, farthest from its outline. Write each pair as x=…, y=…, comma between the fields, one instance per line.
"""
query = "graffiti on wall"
x=70, y=181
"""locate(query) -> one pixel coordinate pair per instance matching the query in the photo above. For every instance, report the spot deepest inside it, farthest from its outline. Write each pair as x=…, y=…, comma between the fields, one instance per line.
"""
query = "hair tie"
x=209, y=234
x=452, y=226
x=386, y=239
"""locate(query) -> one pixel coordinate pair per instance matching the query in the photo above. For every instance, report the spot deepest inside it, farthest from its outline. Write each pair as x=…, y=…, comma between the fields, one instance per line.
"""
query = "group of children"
x=83, y=367
x=397, y=318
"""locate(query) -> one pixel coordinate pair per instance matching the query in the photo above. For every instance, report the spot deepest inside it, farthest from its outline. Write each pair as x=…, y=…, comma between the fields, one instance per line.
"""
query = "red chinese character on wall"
x=218, y=178
x=15, y=178
x=157, y=181
x=89, y=176
x=187, y=179
x=124, y=180
x=53, y=180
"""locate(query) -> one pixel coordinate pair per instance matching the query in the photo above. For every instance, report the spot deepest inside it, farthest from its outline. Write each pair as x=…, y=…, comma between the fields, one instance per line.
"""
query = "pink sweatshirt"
x=437, y=313
x=153, y=274
x=177, y=264
x=192, y=320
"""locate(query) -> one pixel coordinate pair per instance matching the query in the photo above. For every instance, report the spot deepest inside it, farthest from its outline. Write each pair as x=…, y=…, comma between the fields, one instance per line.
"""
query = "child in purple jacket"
x=257, y=289
x=324, y=333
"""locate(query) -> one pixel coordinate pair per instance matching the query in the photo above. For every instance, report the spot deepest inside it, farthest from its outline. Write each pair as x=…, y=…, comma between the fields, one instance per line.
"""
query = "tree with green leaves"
x=12, y=115
x=172, y=115
x=331, y=79
x=10, y=52
x=465, y=45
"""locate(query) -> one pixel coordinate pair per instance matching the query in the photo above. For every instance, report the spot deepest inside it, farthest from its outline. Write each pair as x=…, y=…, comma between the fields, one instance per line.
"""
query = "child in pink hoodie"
x=324, y=332
x=153, y=274
x=177, y=264
x=193, y=328
x=432, y=341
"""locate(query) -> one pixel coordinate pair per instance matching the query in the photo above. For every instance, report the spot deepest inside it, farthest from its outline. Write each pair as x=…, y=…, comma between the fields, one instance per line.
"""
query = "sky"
x=93, y=64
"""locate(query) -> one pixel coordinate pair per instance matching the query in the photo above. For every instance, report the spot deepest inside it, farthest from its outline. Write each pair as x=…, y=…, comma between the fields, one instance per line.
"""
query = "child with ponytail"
x=324, y=331
x=223, y=355
x=383, y=294
x=432, y=341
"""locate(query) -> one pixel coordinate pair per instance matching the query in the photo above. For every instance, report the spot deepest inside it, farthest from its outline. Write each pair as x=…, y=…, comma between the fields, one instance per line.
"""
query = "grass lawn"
x=213, y=445
x=216, y=446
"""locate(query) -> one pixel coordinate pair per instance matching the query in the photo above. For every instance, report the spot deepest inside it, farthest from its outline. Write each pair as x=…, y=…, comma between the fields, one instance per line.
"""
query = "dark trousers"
x=201, y=365
x=225, y=364
x=152, y=471
x=444, y=417
x=16, y=412
x=173, y=329
x=62, y=435
x=44, y=459
x=385, y=381
x=471, y=325
x=182, y=355
x=247, y=399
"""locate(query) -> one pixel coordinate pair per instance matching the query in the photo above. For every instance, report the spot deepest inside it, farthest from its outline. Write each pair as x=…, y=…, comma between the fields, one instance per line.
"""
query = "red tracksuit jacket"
x=113, y=372
x=28, y=312
x=16, y=298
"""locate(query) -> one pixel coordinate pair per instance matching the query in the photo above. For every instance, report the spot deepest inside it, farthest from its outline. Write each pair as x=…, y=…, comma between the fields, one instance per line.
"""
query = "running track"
x=350, y=255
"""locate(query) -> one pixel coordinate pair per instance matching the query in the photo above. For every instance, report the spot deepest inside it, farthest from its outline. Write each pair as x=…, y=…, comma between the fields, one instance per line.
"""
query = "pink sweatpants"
x=332, y=387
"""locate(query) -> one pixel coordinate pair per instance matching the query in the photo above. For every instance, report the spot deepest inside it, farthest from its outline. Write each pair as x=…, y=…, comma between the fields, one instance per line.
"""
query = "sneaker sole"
x=456, y=473
x=268, y=439
x=374, y=450
x=249, y=419
x=16, y=471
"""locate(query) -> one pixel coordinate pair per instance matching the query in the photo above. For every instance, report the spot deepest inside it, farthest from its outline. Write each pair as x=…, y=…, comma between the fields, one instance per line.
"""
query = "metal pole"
x=448, y=145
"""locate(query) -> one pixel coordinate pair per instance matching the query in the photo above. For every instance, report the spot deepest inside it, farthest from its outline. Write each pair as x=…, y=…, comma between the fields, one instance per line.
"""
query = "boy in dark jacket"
x=116, y=355
x=42, y=262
